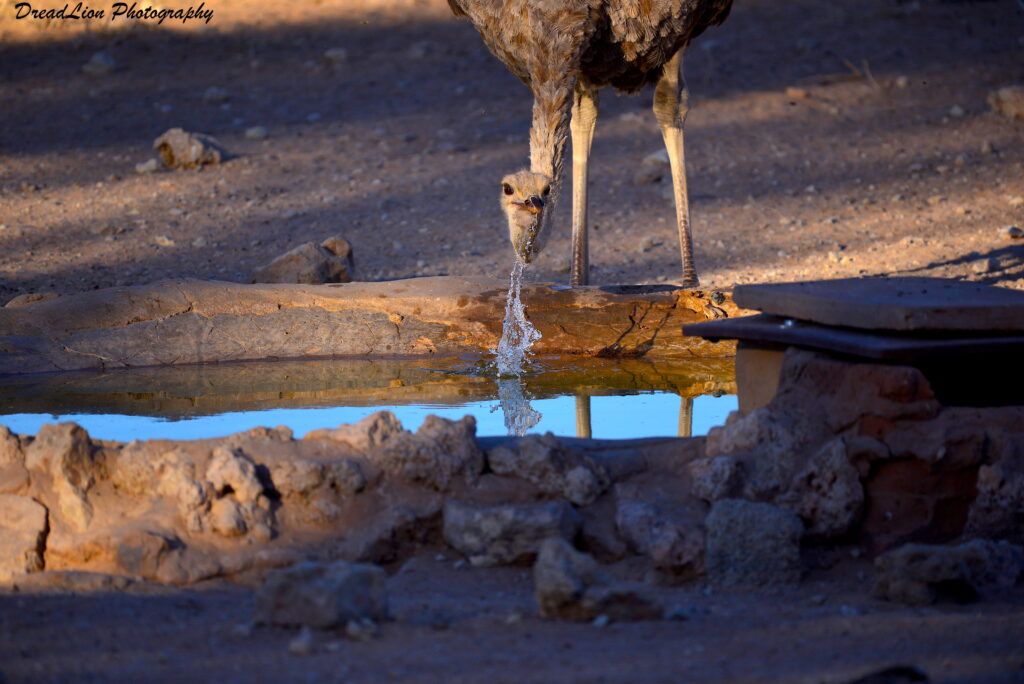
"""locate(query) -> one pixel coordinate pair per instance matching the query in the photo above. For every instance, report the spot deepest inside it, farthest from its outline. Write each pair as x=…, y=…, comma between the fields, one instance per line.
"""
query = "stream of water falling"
x=517, y=336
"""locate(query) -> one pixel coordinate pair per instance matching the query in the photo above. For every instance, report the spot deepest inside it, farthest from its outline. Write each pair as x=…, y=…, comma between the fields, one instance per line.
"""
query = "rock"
x=32, y=298
x=363, y=629
x=716, y=478
x=369, y=433
x=918, y=574
x=957, y=112
x=440, y=451
x=752, y=544
x=13, y=475
x=23, y=528
x=147, y=167
x=302, y=643
x=1008, y=101
x=827, y=493
x=671, y=535
x=65, y=452
x=256, y=132
x=310, y=264
x=498, y=535
x=336, y=55
x=215, y=95
x=1006, y=232
x=164, y=241
x=998, y=508
x=323, y=596
x=232, y=471
x=568, y=585
x=227, y=519
x=181, y=149
x=554, y=468
x=984, y=266
x=100, y=64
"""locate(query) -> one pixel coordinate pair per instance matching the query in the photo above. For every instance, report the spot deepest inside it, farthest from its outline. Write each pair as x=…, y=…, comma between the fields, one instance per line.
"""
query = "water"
x=626, y=398
x=517, y=336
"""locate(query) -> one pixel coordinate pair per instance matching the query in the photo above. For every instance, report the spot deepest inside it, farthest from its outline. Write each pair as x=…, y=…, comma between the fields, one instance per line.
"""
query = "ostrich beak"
x=533, y=204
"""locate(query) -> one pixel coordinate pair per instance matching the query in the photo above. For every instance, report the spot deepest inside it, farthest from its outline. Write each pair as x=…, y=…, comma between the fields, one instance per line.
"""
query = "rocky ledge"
x=189, y=321
x=845, y=454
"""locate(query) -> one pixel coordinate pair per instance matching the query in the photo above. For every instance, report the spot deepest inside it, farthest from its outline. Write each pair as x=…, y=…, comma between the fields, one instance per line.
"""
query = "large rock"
x=370, y=433
x=64, y=452
x=497, y=535
x=158, y=324
x=440, y=451
x=310, y=264
x=827, y=493
x=232, y=471
x=323, y=595
x=667, y=529
x=23, y=528
x=918, y=574
x=752, y=544
x=553, y=467
x=998, y=510
x=568, y=585
x=13, y=476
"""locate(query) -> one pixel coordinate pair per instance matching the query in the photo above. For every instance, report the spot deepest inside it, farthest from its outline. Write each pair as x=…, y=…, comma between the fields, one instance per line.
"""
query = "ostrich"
x=565, y=51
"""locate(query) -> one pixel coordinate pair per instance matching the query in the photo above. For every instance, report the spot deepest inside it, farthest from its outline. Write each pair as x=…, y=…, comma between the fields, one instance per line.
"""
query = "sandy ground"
x=455, y=624
x=826, y=139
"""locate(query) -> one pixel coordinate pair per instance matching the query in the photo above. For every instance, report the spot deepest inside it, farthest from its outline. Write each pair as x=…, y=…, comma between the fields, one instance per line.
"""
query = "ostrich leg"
x=584, y=117
x=670, y=108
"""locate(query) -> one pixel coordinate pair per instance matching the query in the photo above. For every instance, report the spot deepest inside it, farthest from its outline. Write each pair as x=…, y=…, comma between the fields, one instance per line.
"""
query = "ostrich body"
x=565, y=51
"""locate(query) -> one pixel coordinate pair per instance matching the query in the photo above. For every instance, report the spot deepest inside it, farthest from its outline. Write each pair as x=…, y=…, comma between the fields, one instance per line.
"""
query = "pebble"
x=986, y=147
x=147, y=166
x=601, y=620
x=659, y=158
x=849, y=610
x=1016, y=201
x=817, y=600
x=1011, y=232
x=513, y=618
x=956, y=111
x=649, y=243
x=256, y=133
x=315, y=116
x=797, y=93
x=243, y=629
x=362, y=630
x=302, y=645
x=935, y=199
x=336, y=55
x=100, y=64
x=215, y=95
x=199, y=242
x=985, y=266
x=164, y=241
x=902, y=81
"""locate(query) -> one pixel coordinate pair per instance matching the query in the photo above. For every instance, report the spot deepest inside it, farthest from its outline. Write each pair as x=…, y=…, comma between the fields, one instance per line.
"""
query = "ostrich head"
x=524, y=198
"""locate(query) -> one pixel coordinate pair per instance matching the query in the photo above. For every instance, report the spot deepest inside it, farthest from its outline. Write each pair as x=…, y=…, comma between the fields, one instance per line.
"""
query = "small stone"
x=601, y=620
x=100, y=64
x=215, y=95
x=1015, y=201
x=956, y=111
x=302, y=645
x=180, y=149
x=817, y=600
x=310, y=264
x=336, y=55
x=513, y=618
x=164, y=241
x=199, y=242
x=935, y=199
x=986, y=147
x=242, y=630
x=1008, y=101
x=656, y=159
x=314, y=117
x=985, y=266
x=323, y=595
x=500, y=535
x=649, y=243
x=147, y=166
x=362, y=629
x=901, y=82
x=797, y=93
x=1011, y=233
x=256, y=132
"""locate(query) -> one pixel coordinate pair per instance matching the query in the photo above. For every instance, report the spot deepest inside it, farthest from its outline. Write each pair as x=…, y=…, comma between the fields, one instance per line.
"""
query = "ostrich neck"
x=552, y=105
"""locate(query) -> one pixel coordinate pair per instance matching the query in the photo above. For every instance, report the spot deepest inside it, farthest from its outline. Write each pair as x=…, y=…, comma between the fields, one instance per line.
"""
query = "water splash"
x=518, y=334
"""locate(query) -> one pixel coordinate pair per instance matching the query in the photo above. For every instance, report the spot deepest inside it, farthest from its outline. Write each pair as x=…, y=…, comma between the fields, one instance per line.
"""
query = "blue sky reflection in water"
x=651, y=414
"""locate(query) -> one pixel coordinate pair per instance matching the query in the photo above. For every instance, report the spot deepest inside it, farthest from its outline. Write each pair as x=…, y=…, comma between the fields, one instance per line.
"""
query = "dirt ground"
x=826, y=139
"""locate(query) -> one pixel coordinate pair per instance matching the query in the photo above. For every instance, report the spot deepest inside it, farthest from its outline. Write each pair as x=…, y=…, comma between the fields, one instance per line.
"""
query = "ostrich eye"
x=546, y=191
x=506, y=188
